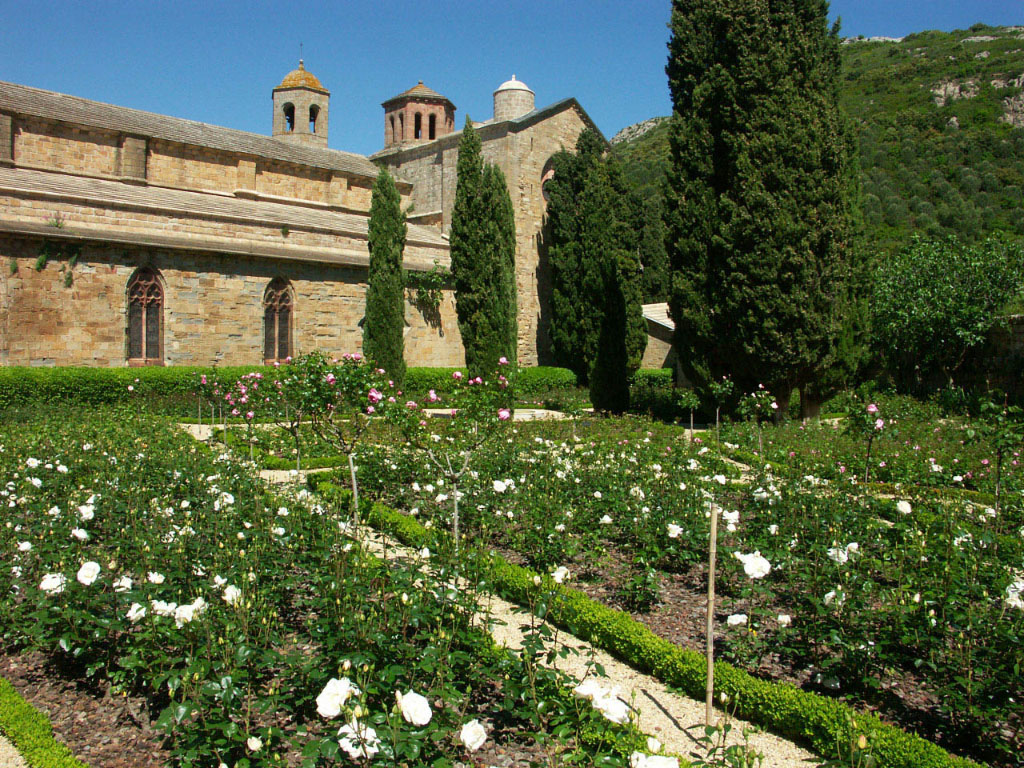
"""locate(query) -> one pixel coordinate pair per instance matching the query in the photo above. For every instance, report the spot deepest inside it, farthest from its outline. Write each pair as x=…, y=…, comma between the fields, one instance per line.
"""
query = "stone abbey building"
x=131, y=238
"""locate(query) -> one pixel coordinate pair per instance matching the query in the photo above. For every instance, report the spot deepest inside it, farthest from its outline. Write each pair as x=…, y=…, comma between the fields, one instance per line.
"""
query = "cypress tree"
x=571, y=322
x=759, y=195
x=483, y=259
x=611, y=288
x=384, y=326
x=499, y=237
x=653, y=254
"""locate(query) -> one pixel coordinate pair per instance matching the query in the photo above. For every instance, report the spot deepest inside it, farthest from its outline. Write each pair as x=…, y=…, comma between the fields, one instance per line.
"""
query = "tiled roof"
x=418, y=91
x=302, y=78
x=51, y=105
x=658, y=313
x=188, y=204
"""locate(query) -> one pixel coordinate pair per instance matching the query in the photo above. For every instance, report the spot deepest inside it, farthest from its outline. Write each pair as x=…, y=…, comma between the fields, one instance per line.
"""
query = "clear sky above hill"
x=217, y=60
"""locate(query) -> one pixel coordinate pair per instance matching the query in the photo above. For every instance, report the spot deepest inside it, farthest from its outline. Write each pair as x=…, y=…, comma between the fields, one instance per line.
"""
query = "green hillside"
x=939, y=121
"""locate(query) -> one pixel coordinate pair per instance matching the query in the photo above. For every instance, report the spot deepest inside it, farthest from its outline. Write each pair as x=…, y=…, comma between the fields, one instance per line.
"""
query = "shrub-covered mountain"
x=939, y=123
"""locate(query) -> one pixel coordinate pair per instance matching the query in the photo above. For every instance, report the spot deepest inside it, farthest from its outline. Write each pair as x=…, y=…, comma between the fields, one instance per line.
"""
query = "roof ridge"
x=258, y=143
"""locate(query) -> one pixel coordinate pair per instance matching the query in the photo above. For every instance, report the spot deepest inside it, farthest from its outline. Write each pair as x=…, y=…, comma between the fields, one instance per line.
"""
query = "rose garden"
x=869, y=573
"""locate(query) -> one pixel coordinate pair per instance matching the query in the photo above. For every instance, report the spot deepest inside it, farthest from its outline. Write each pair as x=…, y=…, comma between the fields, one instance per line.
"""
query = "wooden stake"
x=708, y=713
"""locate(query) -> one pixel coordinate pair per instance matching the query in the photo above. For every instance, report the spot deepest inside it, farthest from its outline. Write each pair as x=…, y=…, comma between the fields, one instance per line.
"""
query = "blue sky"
x=218, y=61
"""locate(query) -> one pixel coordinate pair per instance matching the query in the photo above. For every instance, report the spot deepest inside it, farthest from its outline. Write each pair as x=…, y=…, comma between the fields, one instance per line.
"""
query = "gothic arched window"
x=277, y=321
x=145, y=318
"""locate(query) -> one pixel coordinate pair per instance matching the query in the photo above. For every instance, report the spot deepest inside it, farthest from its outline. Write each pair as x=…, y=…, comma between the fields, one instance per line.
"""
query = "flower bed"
x=255, y=626
x=860, y=590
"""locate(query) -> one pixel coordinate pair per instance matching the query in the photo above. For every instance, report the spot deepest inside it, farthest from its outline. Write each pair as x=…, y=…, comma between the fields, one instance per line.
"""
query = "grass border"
x=31, y=732
x=823, y=724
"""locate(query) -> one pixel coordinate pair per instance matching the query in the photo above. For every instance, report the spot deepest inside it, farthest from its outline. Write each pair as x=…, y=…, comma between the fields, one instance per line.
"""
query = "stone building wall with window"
x=128, y=238
x=132, y=238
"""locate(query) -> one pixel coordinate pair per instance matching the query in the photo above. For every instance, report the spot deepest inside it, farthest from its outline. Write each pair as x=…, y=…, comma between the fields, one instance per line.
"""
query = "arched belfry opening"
x=429, y=115
x=301, y=108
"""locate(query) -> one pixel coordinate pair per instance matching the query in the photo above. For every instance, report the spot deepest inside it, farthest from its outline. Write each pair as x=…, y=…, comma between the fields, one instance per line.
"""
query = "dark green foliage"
x=483, y=259
x=936, y=300
x=593, y=249
x=610, y=272
x=571, y=324
x=384, y=327
x=918, y=172
x=759, y=197
x=653, y=254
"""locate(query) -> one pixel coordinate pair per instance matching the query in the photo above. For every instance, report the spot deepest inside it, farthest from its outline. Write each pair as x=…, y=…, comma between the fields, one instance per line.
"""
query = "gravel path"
x=9, y=757
x=673, y=719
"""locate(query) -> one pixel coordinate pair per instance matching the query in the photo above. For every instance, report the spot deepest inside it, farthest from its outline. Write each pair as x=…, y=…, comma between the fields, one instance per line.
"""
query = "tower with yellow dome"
x=300, y=109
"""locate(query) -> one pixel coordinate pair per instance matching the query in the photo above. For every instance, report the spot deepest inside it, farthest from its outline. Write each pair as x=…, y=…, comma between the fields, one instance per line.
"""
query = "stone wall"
x=47, y=144
x=213, y=308
x=659, y=353
x=521, y=151
x=51, y=145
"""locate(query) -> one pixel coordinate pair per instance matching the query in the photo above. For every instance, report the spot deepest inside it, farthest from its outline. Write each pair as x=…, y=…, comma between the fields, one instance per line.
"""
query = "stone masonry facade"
x=93, y=196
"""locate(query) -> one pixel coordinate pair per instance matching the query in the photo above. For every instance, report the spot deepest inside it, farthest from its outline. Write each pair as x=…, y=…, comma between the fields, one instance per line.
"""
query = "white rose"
x=414, y=707
x=53, y=583
x=136, y=613
x=736, y=620
x=232, y=594
x=784, y=619
x=358, y=740
x=123, y=584
x=674, y=531
x=755, y=565
x=499, y=486
x=24, y=546
x=333, y=697
x=80, y=533
x=473, y=735
x=88, y=573
x=560, y=574
x=254, y=743
x=606, y=520
x=155, y=578
x=903, y=507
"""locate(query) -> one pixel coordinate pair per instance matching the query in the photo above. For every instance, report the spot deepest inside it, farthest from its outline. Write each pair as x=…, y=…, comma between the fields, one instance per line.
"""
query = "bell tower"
x=417, y=115
x=300, y=109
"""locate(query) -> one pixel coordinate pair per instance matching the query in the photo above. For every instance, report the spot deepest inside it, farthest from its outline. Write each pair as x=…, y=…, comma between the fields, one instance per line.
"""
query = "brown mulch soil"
x=103, y=731
x=116, y=732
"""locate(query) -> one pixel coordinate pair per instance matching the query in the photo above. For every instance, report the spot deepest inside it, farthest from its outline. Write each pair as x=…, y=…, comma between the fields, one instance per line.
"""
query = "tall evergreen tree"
x=653, y=254
x=384, y=326
x=483, y=259
x=760, y=189
x=610, y=287
x=572, y=321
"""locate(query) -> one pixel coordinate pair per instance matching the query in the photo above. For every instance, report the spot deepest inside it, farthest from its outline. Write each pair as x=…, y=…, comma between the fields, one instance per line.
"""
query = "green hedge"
x=31, y=733
x=165, y=389
x=537, y=380
x=653, y=377
x=171, y=389
x=818, y=721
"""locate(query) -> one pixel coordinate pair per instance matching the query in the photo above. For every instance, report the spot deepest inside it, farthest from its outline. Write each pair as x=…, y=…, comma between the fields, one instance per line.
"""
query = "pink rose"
x=502, y=361
x=872, y=409
x=457, y=375
x=504, y=414
x=411, y=405
x=879, y=423
x=370, y=409
x=374, y=396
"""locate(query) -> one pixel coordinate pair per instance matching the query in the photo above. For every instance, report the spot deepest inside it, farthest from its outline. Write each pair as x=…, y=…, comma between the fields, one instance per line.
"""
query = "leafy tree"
x=384, y=328
x=936, y=300
x=759, y=193
x=483, y=259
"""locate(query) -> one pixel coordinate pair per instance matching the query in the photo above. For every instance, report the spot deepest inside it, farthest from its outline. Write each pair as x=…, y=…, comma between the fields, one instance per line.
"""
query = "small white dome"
x=513, y=85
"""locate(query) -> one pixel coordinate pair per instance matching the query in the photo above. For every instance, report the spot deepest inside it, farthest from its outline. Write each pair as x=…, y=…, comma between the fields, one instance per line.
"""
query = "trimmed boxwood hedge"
x=818, y=721
x=31, y=733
